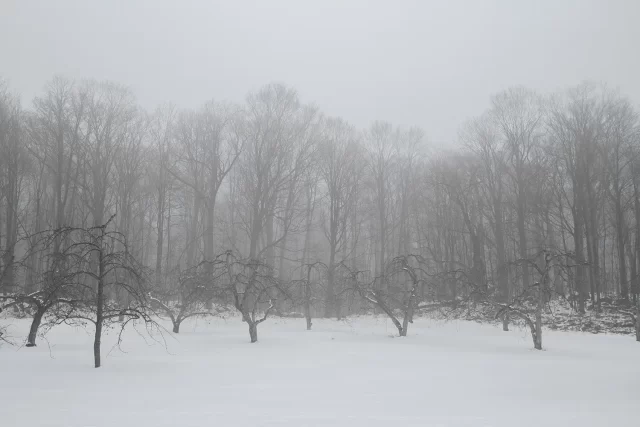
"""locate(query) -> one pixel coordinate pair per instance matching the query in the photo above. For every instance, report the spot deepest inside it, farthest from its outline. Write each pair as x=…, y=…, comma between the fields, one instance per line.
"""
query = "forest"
x=110, y=213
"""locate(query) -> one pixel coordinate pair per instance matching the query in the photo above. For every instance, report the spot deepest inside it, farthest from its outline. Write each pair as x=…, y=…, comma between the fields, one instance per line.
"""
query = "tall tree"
x=519, y=117
x=280, y=141
x=339, y=163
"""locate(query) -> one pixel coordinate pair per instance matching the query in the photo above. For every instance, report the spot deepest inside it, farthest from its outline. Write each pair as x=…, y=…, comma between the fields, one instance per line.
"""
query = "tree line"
x=272, y=192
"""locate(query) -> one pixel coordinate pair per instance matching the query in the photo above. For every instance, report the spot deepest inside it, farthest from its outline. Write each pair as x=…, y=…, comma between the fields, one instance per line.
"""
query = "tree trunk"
x=382, y=217
x=401, y=331
x=35, y=324
x=407, y=318
x=96, y=342
x=478, y=260
x=635, y=281
x=269, y=234
x=167, y=264
x=578, y=239
x=209, y=249
x=281, y=275
x=330, y=299
x=253, y=331
x=503, y=279
x=99, y=302
x=537, y=339
x=542, y=285
x=593, y=221
x=620, y=237
x=10, y=234
x=256, y=231
x=478, y=268
x=632, y=267
x=308, y=317
x=59, y=202
x=505, y=321
x=307, y=299
x=590, y=258
x=522, y=235
x=283, y=251
x=176, y=327
x=34, y=260
x=160, y=240
x=193, y=242
x=209, y=230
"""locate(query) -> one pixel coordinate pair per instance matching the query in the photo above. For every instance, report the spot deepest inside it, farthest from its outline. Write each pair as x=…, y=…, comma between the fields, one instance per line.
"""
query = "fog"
x=230, y=207
x=431, y=64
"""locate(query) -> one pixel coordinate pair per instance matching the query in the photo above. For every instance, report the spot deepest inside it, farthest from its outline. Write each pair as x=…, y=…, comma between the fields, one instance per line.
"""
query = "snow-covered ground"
x=350, y=373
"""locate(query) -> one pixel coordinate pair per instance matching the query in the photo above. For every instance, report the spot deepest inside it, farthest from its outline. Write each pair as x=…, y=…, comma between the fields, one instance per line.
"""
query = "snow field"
x=342, y=373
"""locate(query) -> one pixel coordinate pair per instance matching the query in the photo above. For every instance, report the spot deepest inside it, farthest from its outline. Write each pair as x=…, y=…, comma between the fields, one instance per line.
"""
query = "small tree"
x=529, y=304
x=632, y=311
x=307, y=292
x=56, y=287
x=189, y=299
x=104, y=268
x=41, y=302
x=399, y=298
x=252, y=288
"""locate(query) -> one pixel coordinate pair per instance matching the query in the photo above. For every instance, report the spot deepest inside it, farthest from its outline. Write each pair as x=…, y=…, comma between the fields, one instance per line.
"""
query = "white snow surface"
x=342, y=373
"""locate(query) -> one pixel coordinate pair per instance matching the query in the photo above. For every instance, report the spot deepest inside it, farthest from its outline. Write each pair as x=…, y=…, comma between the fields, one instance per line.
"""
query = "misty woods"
x=270, y=207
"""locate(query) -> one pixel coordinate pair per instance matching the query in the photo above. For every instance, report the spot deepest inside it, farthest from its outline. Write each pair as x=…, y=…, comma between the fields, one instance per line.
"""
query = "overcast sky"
x=427, y=63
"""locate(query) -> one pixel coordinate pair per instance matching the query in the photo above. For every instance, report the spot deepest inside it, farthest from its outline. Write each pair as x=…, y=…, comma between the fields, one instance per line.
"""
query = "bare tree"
x=482, y=139
x=340, y=166
x=56, y=132
x=382, y=144
x=620, y=135
x=529, y=304
x=189, y=298
x=281, y=136
x=519, y=116
x=117, y=271
x=56, y=288
x=575, y=127
x=110, y=112
x=399, y=301
x=13, y=161
x=309, y=288
x=459, y=177
x=251, y=287
x=211, y=140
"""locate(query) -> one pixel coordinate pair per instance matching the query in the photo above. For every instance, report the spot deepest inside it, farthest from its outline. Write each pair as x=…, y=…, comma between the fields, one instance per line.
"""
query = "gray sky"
x=427, y=63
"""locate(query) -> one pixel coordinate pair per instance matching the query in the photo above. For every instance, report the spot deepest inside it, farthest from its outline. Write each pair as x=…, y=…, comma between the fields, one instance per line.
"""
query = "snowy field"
x=350, y=373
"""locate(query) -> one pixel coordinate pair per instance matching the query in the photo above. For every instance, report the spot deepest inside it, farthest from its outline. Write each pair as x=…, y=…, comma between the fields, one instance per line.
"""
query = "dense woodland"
x=284, y=199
